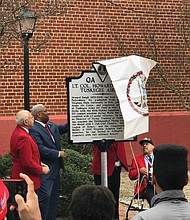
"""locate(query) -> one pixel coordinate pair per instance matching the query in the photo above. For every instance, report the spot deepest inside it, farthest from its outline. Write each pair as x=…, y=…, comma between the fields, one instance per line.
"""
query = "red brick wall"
x=96, y=30
x=164, y=127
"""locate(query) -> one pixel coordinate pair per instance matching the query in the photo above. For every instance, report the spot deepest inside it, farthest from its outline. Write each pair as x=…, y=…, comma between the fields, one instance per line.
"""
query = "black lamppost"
x=26, y=25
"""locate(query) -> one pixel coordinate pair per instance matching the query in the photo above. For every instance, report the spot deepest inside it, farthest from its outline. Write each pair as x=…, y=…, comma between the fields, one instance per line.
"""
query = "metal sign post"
x=103, y=145
x=104, y=178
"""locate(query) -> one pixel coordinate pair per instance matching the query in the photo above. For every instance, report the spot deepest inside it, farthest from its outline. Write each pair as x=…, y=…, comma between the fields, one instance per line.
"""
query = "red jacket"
x=26, y=157
x=134, y=174
x=116, y=149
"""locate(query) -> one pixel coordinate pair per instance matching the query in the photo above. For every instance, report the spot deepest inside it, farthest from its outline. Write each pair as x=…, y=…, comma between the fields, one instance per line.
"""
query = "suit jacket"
x=134, y=174
x=49, y=150
x=26, y=157
x=114, y=151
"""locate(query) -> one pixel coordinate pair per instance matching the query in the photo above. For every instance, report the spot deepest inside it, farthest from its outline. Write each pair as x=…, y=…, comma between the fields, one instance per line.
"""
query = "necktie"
x=149, y=168
x=150, y=159
x=47, y=128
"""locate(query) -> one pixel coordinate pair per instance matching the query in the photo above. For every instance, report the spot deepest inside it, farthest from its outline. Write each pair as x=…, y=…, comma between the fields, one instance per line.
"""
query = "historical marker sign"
x=93, y=109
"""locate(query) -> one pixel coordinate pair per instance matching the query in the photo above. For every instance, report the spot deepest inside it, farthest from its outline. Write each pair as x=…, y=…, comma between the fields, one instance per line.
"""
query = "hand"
x=28, y=210
x=143, y=171
x=63, y=154
x=45, y=168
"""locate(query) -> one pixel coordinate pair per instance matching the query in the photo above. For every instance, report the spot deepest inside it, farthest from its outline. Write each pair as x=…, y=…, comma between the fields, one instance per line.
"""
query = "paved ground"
x=123, y=210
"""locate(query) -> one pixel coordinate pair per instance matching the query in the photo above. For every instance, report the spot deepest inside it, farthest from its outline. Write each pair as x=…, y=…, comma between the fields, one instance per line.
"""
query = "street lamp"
x=26, y=24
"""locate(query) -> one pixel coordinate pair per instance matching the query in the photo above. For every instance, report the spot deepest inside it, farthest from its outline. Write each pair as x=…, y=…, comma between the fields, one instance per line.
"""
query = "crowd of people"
x=36, y=151
x=161, y=173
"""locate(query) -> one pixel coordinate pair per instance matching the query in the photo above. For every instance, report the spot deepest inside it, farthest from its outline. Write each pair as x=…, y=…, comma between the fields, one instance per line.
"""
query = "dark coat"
x=49, y=150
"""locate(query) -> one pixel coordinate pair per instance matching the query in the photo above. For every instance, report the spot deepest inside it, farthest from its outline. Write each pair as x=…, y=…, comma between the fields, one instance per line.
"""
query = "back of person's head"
x=21, y=116
x=91, y=202
x=170, y=166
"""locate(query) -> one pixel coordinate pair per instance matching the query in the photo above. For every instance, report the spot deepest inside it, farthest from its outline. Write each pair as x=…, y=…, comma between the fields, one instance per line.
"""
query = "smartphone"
x=15, y=186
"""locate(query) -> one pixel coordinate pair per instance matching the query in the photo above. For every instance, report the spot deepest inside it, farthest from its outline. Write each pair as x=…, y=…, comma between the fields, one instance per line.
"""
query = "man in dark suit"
x=116, y=159
x=47, y=136
x=24, y=150
x=141, y=169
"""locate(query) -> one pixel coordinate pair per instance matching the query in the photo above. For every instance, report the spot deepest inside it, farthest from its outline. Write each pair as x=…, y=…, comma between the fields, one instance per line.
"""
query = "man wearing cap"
x=141, y=169
x=170, y=176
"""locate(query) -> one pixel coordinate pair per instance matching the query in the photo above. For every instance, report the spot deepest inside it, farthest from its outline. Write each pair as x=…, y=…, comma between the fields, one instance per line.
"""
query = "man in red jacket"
x=141, y=169
x=116, y=158
x=24, y=150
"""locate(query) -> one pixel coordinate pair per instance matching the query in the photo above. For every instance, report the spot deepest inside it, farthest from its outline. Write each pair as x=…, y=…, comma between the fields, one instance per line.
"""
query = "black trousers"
x=149, y=193
x=113, y=185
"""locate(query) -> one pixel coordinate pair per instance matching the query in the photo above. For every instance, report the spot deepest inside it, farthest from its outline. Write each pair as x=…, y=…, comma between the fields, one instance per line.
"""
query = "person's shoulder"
x=51, y=123
x=19, y=131
x=148, y=214
x=35, y=127
x=19, y=134
x=35, y=124
x=141, y=156
x=18, y=128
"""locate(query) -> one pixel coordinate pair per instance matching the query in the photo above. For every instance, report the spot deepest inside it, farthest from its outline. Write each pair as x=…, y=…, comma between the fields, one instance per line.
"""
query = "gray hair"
x=21, y=116
x=37, y=108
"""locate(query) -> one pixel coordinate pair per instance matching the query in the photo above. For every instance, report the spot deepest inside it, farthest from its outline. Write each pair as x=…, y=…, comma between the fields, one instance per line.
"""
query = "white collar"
x=25, y=129
x=41, y=123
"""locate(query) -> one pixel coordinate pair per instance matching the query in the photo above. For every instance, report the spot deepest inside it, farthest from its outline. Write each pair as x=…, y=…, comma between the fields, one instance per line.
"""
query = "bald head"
x=24, y=118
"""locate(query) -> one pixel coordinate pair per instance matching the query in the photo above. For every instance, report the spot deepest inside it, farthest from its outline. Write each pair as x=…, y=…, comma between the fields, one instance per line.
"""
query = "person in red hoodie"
x=4, y=195
x=116, y=159
x=141, y=170
x=24, y=150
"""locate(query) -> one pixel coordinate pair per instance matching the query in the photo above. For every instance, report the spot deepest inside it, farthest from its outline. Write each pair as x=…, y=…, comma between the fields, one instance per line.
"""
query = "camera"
x=15, y=186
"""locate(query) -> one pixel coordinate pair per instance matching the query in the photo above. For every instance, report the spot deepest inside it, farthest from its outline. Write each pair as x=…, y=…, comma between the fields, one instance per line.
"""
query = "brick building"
x=67, y=42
